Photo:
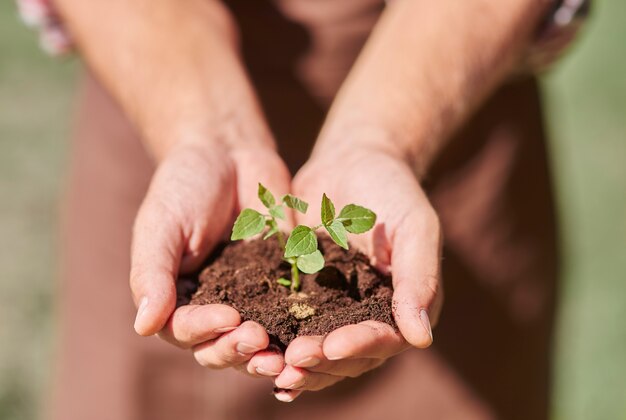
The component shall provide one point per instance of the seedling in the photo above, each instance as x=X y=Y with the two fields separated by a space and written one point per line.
x=300 y=250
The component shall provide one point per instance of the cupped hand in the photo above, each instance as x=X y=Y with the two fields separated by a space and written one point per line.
x=406 y=242
x=193 y=198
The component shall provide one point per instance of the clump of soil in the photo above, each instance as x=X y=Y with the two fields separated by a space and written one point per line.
x=243 y=275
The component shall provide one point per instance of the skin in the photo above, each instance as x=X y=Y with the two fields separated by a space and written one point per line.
x=424 y=68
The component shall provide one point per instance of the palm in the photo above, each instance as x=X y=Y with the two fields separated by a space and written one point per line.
x=405 y=241
x=192 y=199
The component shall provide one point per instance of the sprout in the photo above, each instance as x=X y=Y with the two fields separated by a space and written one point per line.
x=300 y=250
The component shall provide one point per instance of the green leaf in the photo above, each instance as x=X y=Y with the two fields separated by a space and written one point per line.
x=266 y=196
x=328 y=210
x=302 y=241
x=311 y=263
x=357 y=219
x=338 y=233
x=278 y=212
x=295 y=203
x=284 y=282
x=273 y=229
x=249 y=223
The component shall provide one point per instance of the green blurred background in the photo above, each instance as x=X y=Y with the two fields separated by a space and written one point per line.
x=586 y=110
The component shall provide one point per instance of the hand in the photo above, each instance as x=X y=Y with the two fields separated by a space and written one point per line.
x=406 y=242
x=193 y=198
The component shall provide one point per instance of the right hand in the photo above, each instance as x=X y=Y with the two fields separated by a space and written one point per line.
x=193 y=198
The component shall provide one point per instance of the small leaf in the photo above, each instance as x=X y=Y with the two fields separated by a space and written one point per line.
x=302 y=241
x=266 y=196
x=357 y=219
x=328 y=210
x=338 y=233
x=273 y=229
x=311 y=263
x=295 y=203
x=249 y=223
x=278 y=212
x=284 y=282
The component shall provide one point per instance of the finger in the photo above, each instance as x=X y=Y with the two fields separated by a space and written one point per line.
x=155 y=257
x=172 y=232
x=416 y=268
x=194 y=324
x=306 y=352
x=368 y=339
x=266 y=364
x=295 y=378
x=286 y=395
x=232 y=348
x=351 y=368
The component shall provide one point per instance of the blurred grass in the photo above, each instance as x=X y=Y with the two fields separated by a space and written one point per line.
x=587 y=114
x=587 y=117
x=34 y=103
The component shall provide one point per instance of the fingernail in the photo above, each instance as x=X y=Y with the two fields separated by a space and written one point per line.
x=426 y=323
x=297 y=384
x=264 y=372
x=224 y=330
x=307 y=362
x=335 y=357
x=143 y=304
x=286 y=396
x=245 y=348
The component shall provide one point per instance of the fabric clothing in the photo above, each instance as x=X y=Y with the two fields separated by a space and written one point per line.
x=41 y=15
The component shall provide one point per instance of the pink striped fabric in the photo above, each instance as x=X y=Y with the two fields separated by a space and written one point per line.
x=555 y=35
x=40 y=14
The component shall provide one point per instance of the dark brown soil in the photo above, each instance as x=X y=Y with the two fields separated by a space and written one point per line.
x=243 y=275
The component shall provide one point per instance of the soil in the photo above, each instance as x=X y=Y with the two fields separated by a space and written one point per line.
x=241 y=274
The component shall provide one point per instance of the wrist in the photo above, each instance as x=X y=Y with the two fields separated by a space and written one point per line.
x=339 y=140
x=229 y=132
x=410 y=149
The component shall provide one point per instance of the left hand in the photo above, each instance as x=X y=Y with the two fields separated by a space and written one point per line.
x=194 y=195
x=406 y=241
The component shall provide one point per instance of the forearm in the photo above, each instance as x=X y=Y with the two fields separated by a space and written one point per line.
x=425 y=67
x=173 y=67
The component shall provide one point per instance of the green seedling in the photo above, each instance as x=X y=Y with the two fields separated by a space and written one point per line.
x=300 y=249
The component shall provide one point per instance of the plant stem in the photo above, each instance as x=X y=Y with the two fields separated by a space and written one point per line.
x=295 y=277
x=281 y=240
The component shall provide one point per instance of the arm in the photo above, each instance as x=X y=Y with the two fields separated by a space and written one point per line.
x=425 y=67
x=175 y=71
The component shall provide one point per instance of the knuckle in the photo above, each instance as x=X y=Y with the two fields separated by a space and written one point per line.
x=202 y=360
x=432 y=284
x=358 y=369
x=167 y=336
x=209 y=360
x=190 y=336
x=430 y=219
x=326 y=382
x=138 y=273
x=231 y=358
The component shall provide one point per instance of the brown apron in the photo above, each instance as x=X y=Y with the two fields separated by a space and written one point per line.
x=491 y=186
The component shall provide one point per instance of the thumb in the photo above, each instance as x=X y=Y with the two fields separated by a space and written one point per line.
x=155 y=257
x=416 y=268
x=176 y=228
